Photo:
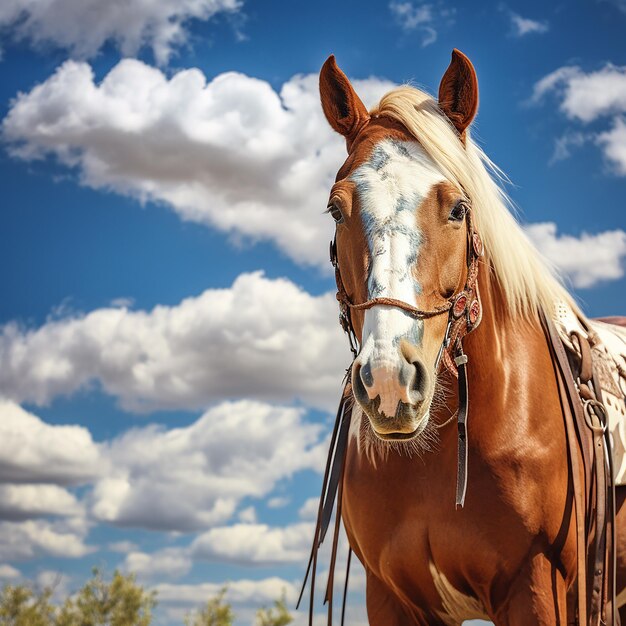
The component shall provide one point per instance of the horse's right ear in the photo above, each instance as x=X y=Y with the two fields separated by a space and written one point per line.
x=342 y=107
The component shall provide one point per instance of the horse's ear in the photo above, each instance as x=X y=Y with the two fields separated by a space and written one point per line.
x=458 y=92
x=342 y=107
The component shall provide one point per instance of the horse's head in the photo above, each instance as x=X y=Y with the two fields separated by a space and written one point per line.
x=401 y=238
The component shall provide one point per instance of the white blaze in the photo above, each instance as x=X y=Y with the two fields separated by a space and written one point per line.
x=391 y=186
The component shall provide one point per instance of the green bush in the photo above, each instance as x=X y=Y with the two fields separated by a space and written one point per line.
x=118 y=602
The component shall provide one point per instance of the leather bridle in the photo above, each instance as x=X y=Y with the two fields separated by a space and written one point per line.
x=464 y=311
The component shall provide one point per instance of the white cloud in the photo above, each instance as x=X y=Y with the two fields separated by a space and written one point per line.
x=122 y=546
x=309 y=510
x=231 y=153
x=613 y=142
x=194 y=477
x=8 y=571
x=245 y=595
x=20 y=502
x=524 y=26
x=260 y=338
x=244 y=591
x=586 y=98
x=34 y=538
x=421 y=17
x=563 y=145
x=257 y=544
x=247 y=515
x=588 y=259
x=57 y=582
x=84 y=26
x=278 y=502
x=123 y=303
x=169 y=563
x=32 y=451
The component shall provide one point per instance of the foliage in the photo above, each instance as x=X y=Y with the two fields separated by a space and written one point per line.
x=215 y=613
x=21 y=606
x=278 y=615
x=118 y=602
x=121 y=602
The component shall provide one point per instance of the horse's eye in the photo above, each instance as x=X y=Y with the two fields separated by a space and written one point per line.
x=458 y=211
x=335 y=212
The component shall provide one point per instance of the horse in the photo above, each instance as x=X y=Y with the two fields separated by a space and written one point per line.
x=415 y=196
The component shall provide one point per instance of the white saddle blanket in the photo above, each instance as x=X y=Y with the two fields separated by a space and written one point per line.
x=609 y=363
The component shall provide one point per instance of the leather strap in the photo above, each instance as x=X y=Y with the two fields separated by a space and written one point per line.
x=331 y=486
x=584 y=413
x=563 y=376
x=461 y=474
x=345 y=587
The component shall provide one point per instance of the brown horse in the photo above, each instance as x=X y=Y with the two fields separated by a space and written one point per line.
x=402 y=202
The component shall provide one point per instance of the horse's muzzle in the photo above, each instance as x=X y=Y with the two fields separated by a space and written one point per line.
x=393 y=397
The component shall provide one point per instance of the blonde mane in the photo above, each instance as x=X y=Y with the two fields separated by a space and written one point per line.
x=527 y=280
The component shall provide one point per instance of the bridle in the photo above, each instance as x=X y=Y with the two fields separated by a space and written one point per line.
x=463 y=307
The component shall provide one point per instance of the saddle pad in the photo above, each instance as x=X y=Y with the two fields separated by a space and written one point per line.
x=609 y=363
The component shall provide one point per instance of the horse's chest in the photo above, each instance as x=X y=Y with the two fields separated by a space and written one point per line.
x=400 y=539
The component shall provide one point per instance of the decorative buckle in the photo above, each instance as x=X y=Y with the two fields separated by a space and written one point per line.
x=459 y=306
x=473 y=313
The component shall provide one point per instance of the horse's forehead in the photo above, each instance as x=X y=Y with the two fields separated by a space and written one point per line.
x=396 y=170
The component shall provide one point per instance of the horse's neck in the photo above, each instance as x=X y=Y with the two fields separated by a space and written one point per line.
x=508 y=360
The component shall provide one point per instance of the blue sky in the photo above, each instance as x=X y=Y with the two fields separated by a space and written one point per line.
x=170 y=355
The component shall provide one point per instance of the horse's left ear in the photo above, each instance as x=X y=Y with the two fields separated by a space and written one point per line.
x=458 y=92
x=342 y=107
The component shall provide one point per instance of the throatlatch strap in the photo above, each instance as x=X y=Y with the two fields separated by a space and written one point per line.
x=461 y=471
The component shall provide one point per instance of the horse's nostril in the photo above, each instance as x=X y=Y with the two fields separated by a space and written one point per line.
x=419 y=377
x=366 y=375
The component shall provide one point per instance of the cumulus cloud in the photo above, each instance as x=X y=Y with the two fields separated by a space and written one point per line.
x=260 y=338
x=613 y=142
x=122 y=546
x=32 y=451
x=309 y=510
x=8 y=571
x=231 y=153
x=84 y=26
x=20 y=502
x=244 y=591
x=194 y=477
x=586 y=98
x=33 y=538
x=247 y=515
x=169 y=563
x=420 y=17
x=257 y=544
x=587 y=259
x=525 y=26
